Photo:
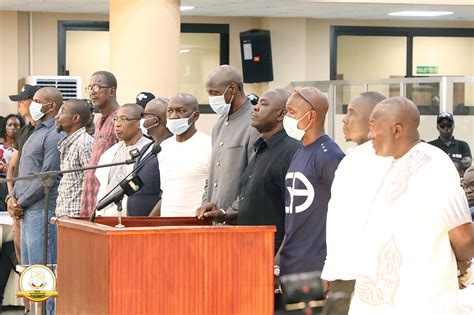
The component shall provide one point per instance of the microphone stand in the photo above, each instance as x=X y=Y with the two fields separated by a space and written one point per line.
x=48 y=180
x=144 y=158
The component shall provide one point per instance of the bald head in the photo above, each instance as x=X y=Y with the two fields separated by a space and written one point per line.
x=278 y=97
x=313 y=99
x=402 y=111
x=187 y=100
x=50 y=95
x=224 y=75
x=158 y=107
x=394 y=127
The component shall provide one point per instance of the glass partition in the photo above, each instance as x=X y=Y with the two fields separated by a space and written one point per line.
x=198 y=55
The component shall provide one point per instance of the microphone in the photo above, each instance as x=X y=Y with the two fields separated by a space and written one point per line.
x=154 y=151
x=128 y=188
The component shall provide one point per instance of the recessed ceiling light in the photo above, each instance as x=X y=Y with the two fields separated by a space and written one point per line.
x=183 y=51
x=185 y=7
x=421 y=13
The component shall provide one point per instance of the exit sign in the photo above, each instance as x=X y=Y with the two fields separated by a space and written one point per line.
x=426 y=70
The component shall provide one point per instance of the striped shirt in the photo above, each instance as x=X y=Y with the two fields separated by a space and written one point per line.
x=76 y=152
x=104 y=138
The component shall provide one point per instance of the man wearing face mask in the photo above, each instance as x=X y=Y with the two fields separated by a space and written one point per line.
x=147 y=201
x=308 y=183
x=184 y=159
x=40 y=154
x=232 y=137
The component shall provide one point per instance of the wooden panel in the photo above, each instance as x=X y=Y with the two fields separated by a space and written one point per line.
x=149 y=221
x=164 y=270
x=224 y=272
x=82 y=272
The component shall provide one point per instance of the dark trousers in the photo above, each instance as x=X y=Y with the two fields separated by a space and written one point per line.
x=340 y=293
x=7 y=264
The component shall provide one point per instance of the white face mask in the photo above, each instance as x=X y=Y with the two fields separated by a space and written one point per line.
x=142 y=127
x=219 y=105
x=35 y=111
x=145 y=129
x=178 y=126
x=291 y=127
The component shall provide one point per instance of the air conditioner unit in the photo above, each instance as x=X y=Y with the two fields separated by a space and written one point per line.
x=70 y=86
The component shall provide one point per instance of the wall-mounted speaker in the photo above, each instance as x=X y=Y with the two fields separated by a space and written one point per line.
x=256 y=53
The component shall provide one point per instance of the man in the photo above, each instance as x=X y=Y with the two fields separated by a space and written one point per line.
x=468 y=186
x=76 y=149
x=308 y=182
x=184 y=159
x=232 y=136
x=102 y=91
x=153 y=122
x=418 y=225
x=261 y=198
x=127 y=130
x=147 y=201
x=456 y=149
x=349 y=199
x=24 y=99
x=40 y=154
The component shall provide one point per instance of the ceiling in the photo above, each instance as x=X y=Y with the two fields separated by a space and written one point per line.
x=263 y=8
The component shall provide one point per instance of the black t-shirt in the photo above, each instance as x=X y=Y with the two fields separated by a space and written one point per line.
x=308 y=184
x=456 y=150
x=262 y=185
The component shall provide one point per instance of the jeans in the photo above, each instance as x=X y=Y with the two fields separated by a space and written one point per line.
x=32 y=243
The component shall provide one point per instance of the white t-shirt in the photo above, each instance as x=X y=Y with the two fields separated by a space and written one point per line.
x=184 y=168
x=355 y=184
x=409 y=266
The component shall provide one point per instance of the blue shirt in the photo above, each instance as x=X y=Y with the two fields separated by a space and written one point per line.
x=308 y=184
x=40 y=154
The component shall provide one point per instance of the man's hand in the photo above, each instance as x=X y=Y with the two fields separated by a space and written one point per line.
x=210 y=211
x=325 y=284
x=14 y=208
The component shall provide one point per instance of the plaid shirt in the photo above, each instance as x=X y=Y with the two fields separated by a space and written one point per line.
x=75 y=153
x=104 y=138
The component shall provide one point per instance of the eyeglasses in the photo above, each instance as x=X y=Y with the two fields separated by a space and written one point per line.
x=123 y=120
x=96 y=88
x=146 y=115
x=306 y=100
x=466 y=186
x=444 y=126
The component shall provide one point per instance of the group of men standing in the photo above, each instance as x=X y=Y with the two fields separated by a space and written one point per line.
x=381 y=222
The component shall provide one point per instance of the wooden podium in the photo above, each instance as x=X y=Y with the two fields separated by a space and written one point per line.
x=163 y=266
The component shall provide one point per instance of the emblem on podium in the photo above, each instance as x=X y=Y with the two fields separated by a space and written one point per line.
x=37 y=283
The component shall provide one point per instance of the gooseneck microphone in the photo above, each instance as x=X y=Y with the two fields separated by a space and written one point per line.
x=115 y=194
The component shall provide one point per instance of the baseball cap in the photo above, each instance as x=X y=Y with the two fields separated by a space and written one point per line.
x=444 y=115
x=26 y=93
x=143 y=98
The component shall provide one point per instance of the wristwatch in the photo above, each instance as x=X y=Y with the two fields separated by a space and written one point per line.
x=276 y=271
x=8 y=197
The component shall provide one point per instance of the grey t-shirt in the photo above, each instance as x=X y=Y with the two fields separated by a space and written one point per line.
x=232 y=148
